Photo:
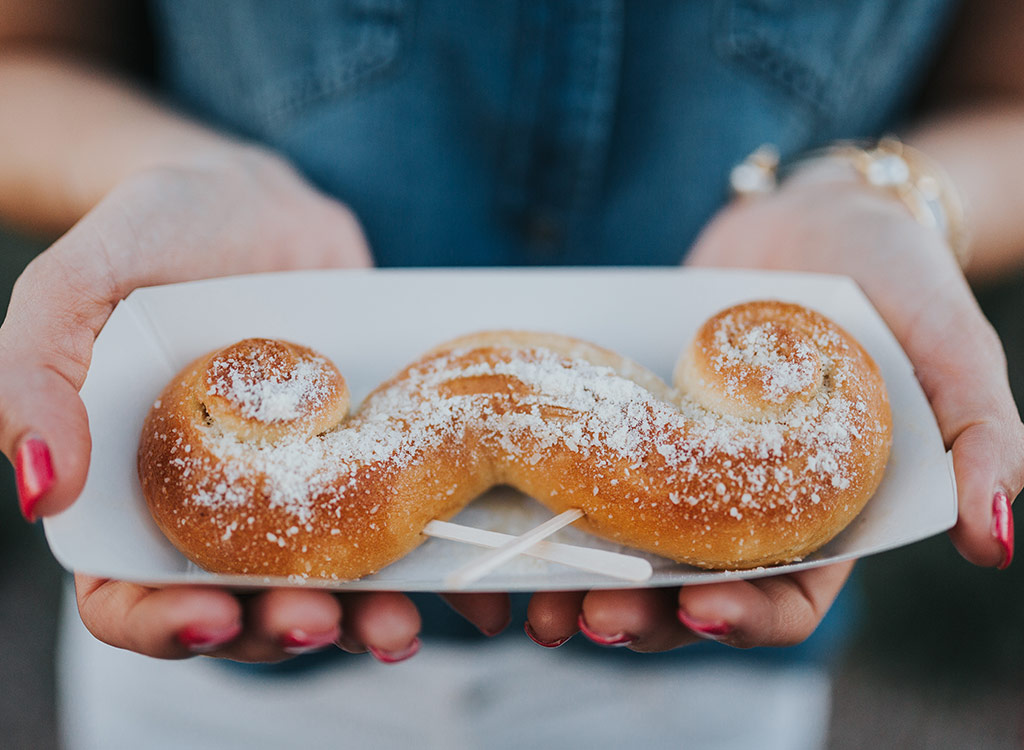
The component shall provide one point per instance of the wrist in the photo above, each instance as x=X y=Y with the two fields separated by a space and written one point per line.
x=890 y=169
x=210 y=153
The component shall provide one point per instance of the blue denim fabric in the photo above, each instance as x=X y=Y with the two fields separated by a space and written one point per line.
x=542 y=131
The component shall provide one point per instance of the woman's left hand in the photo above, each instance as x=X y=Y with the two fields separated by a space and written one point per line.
x=830 y=222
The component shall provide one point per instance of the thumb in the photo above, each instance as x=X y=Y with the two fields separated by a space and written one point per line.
x=987 y=470
x=45 y=346
x=961 y=365
x=45 y=433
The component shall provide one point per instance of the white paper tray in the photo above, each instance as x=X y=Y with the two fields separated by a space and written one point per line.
x=372 y=323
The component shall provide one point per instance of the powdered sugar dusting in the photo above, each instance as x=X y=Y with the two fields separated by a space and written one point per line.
x=541 y=400
x=269 y=394
x=784 y=370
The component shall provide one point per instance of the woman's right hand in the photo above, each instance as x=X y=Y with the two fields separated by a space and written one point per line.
x=231 y=210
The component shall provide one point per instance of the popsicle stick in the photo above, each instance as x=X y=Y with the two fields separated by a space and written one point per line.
x=480 y=567
x=603 y=562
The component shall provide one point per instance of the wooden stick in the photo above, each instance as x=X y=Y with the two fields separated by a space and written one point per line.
x=603 y=562
x=477 y=569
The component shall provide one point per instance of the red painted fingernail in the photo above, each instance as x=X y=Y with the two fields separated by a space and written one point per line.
x=392 y=657
x=715 y=630
x=1002 y=527
x=298 y=641
x=200 y=640
x=539 y=642
x=619 y=639
x=33 y=470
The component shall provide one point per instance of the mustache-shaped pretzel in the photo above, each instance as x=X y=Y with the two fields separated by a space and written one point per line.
x=774 y=436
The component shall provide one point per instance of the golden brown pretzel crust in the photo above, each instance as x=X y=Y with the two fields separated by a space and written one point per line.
x=776 y=434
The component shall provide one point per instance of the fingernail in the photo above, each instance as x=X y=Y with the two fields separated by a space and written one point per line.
x=714 y=630
x=298 y=641
x=392 y=657
x=539 y=642
x=200 y=640
x=33 y=471
x=349 y=646
x=1002 y=527
x=619 y=639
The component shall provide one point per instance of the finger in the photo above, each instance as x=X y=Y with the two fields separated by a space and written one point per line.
x=58 y=306
x=641 y=619
x=552 y=617
x=776 y=611
x=962 y=368
x=45 y=344
x=155 y=228
x=490 y=612
x=984 y=532
x=282 y=623
x=384 y=623
x=169 y=623
x=45 y=433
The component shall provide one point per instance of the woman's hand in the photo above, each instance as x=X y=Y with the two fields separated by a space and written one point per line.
x=830 y=222
x=231 y=210
x=236 y=210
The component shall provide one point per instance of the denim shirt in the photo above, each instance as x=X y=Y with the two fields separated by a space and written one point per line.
x=541 y=131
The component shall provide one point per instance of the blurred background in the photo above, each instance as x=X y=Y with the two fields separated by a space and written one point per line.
x=937 y=662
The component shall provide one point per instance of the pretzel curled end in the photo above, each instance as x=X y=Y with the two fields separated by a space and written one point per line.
x=774 y=435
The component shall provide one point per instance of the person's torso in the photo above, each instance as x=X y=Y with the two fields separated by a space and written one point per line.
x=541 y=131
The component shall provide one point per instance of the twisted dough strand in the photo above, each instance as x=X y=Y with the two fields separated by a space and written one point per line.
x=774 y=437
